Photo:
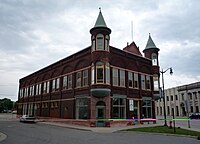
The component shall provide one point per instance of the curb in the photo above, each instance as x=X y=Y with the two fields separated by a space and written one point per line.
x=60 y=125
x=165 y=134
x=2 y=136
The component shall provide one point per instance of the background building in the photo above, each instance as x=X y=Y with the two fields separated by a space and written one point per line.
x=182 y=100
x=98 y=82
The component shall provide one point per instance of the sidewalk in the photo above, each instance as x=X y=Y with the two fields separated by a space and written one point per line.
x=99 y=129
x=117 y=128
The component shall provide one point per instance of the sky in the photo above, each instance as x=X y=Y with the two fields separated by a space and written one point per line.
x=37 y=33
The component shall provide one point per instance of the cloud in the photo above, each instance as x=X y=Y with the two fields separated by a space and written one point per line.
x=35 y=33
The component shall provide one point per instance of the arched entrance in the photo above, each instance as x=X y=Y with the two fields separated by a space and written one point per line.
x=100 y=113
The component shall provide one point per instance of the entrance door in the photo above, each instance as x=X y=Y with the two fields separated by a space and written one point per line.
x=100 y=114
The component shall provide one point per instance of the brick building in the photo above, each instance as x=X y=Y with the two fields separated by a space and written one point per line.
x=98 y=82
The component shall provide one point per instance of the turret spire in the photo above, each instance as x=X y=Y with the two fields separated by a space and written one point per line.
x=100 y=22
x=150 y=43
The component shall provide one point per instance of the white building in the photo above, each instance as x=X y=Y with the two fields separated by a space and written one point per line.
x=183 y=100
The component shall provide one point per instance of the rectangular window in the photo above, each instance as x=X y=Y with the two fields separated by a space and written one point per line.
x=33 y=89
x=81 y=108
x=107 y=74
x=78 y=79
x=40 y=88
x=143 y=82
x=92 y=75
x=155 y=83
x=191 y=109
x=146 y=107
x=115 y=76
x=70 y=81
x=47 y=87
x=57 y=83
x=148 y=83
x=168 y=111
x=93 y=45
x=130 y=79
x=122 y=78
x=65 y=82
x=135 y=80
x=36 y=91
x=176 y=97
x=167 y=98
x=85 y=77
x=100 y=43
x=30 y=90
x=119 y=110
x=99 y=74
x=44 y=87
x=53 y=85
x=171 y=98
x=182 y=95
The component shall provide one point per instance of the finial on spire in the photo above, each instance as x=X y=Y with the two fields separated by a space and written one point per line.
x=99 y=9
x=149 y=34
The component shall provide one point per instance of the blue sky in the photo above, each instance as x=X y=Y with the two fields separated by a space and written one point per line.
x=35 y=33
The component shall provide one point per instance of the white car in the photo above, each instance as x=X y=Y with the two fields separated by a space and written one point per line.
x=27 y=118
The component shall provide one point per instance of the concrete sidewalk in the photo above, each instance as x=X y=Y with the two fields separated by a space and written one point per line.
x=99 y=129
x=115 y=128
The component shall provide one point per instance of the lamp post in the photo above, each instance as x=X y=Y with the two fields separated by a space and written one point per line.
x=163 y=92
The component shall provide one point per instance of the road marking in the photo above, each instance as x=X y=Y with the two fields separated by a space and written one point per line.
x=2 y=136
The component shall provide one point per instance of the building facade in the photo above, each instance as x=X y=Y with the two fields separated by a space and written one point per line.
x=98 y=82
x=183 y=100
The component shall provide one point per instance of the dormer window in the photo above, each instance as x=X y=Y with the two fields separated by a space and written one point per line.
x=154 y=59
x=100 y=42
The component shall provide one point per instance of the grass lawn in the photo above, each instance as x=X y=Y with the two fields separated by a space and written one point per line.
x=162 y=129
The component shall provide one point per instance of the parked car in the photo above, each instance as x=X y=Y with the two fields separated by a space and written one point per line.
x=14 y=112
x=27 y=118
x=195 y=116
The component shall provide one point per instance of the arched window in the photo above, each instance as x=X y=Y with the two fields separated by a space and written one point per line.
x=154 y=59
x=100 y=43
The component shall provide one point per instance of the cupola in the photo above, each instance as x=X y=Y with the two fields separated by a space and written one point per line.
x=100 y=34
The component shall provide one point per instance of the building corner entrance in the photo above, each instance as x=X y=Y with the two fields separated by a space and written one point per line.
x=100 y=114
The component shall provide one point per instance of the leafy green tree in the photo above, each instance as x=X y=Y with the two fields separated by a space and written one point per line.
x=6 y=104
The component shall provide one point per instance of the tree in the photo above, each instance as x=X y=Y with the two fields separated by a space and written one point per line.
x=6 y=104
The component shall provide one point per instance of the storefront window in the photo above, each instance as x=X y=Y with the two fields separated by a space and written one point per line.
x=146 y=107
x=119 y=105
x=82 y=108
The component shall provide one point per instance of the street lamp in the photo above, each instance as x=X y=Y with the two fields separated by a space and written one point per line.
x=163 y=92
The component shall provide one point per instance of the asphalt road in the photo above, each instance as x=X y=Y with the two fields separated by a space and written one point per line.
x=39 y=133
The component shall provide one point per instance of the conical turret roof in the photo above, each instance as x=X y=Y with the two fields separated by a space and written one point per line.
x=150 y=43
x=100 y=22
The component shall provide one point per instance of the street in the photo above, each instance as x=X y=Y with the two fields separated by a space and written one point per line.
x=40 y=133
